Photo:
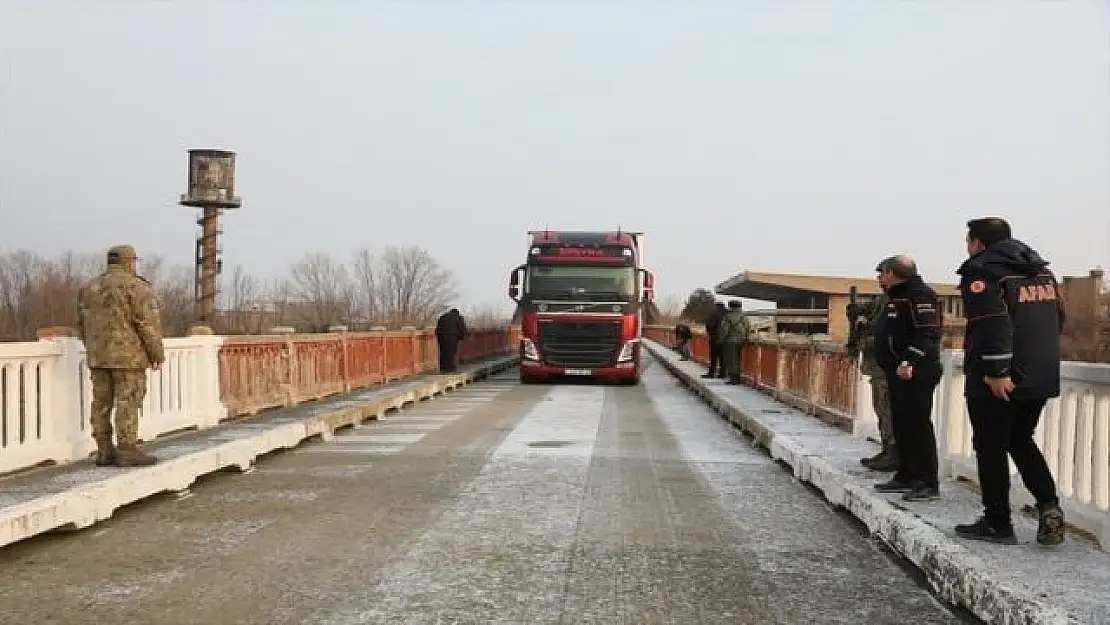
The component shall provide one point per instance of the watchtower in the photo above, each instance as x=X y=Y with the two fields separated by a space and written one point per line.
x=211 y=187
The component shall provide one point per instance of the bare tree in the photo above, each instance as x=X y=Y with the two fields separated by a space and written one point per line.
x=323 y=287
x=242 y=304
x=36 y=292
x=485 y=318
x=670 y=308
x=699 y=306
x=413 y=287
x=278 y=298
x=173 y=284
x=364 y=288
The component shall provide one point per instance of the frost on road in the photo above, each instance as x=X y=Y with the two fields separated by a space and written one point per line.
x=499 y=503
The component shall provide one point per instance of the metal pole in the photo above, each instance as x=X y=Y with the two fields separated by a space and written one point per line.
x=210 y=228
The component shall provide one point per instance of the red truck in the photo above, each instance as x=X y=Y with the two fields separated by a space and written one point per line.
x=580 y=298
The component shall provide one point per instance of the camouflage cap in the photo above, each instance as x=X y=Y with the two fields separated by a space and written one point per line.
x=119 y=252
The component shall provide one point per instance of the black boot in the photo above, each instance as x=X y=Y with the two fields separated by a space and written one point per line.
x=886 y=461
x=984 y=530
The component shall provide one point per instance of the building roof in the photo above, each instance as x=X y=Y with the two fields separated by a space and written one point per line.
x=765 y=285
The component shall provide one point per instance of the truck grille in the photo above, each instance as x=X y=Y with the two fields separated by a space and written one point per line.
x=580 y=344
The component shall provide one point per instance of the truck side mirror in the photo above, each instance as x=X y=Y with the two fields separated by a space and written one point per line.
x=649 y=285
x=514 y=283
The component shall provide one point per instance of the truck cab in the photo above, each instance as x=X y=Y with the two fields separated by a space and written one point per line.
x=581 y=297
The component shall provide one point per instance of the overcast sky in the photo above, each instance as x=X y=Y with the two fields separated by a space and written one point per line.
x=772 y=136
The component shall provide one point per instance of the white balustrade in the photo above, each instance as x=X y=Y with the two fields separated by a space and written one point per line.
x=46 y=397
x=1074 y=434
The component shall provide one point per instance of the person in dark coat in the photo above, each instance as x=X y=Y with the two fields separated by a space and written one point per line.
x=1015 y=316
x=716 y=367
x=907 y=348
x=683 y=336
x=450 y=332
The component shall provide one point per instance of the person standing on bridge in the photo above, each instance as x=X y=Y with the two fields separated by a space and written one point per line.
x=683 y=335
x=1012 y=366
x=907 y=348
x=119 y=322
x=450 y=331
x=887 y=459
x=733 y=332
x=716 y=367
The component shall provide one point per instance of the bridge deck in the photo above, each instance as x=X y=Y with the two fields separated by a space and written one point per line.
x=496 y=503
x=1015 y=584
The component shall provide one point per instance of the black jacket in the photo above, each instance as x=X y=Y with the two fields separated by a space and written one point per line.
x=910 y=328
x=682 y=332
x=451 y=325
x=1014 y=320
x=713 y=322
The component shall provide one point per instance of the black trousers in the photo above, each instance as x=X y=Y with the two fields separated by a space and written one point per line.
x=716 y=364
x=1005 y=428
x=911 y=406
x=448 y=352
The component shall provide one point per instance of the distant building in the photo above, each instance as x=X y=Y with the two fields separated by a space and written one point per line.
x=817 y=304
x=827 y=297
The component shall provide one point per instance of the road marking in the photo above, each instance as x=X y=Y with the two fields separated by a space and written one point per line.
x=333 y=449
x=378 y=438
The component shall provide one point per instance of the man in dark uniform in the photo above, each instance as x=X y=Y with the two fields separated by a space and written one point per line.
x=712 y=324
x=450 y=331
x=1012 y=366
x=683 y=335
x=907 y=348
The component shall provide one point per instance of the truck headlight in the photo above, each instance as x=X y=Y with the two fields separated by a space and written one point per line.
x=530 y=351
x=627 y=350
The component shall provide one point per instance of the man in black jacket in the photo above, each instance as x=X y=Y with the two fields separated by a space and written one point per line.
x=1012 y=366
x=683 y=335
x=450 y=331
x=712 y=324
x=907 y=348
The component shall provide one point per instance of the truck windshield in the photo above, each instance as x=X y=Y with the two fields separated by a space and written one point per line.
x=559 y=282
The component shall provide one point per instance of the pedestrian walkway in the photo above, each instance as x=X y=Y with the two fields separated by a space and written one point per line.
x=1024 y=584
x=77 y=495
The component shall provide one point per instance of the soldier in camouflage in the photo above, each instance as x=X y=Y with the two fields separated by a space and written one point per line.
x=119 y=323
x=732 y=333
x=887 y=459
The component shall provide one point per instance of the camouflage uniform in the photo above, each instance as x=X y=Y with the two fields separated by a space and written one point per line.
x=887 y=460
x=119 y=322
x=732 y=333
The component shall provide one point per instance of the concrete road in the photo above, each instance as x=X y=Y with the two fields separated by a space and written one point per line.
x=499 y=503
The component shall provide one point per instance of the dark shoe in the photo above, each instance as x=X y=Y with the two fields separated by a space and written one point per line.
x=105 y=453
x=984 y=531
x=886 y=461
x=1051 y=528
x=921 y=492
x=894 y=486
x=128 y=455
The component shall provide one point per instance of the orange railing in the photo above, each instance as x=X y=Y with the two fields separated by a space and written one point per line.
x=818 y=377
x=263 y=372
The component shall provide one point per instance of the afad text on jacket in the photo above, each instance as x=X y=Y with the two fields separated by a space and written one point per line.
x=1014 y=320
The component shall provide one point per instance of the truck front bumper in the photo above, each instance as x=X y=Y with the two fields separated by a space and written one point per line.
x=537 y=370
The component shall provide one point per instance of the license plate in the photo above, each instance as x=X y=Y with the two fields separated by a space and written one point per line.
x=578 y=372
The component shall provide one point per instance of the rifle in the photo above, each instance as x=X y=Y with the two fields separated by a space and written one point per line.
x=853 y=311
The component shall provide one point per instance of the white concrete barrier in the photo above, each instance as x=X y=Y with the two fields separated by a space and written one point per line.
x=46 y=397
